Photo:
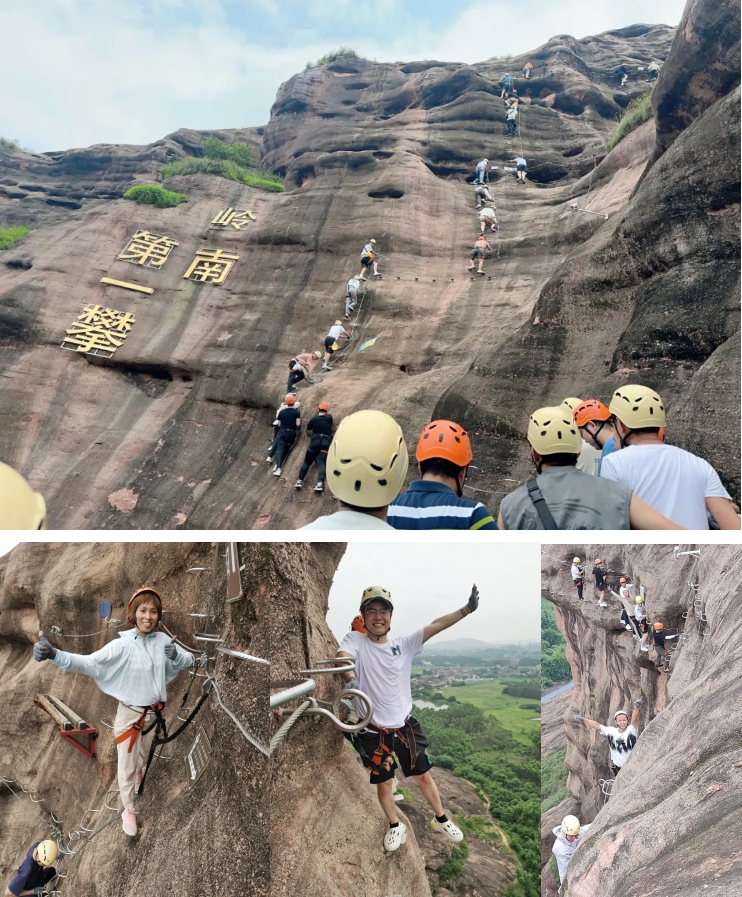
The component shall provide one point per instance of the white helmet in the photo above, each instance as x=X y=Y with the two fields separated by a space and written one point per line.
x=571 y=825
x=367 y=461
x=575 y=560
x=619 y=713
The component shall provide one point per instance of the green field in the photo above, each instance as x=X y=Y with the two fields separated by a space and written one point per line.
x=489 y=698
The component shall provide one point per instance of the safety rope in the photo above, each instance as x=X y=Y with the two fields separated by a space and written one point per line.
x=283 y=731
x=115 y=625
x=253 y=741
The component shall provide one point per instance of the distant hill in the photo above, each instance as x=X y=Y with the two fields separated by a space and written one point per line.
x=458 y=645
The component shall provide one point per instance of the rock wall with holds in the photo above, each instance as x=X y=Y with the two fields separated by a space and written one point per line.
x=674 y=816
x=172 y=431
x=222 y=820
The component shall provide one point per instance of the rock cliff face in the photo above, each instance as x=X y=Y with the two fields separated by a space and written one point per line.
x=673 y=821
x=172 y=431
x=222 y=820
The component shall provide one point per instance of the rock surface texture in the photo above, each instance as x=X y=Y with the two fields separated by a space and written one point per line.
x=222 y=819
x=173 y=430
x=673 y=822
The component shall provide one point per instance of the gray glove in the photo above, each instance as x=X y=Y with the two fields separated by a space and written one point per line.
x=352 y=683
x=578 y=718
x=42 y=650
x=473 y=602
x=171 y=652
x=40 y=889
x=638 y=702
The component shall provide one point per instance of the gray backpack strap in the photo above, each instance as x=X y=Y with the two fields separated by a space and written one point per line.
x=539 y=502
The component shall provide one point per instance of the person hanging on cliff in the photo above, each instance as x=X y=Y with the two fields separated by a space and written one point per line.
x=505 y=82
x=320 y=427
x=599 y=574
x=482 y=195
x=511 y=121
x=368 y=260
x=488 y=217
x=642 y=625
x=135 y=669
x=621 y=736
x=394 y=737
x=628 y=619
x=521 y=169
x=301 y=368
x=288 y=421
x=289 y=402
x=481 y=248
x=337 y=332
x=569 y=835
x=481 y=171
x=351 y=295
x=659 y=638
x=578 y=572
x=36 y=871
x=436 y=500
x=527 y=70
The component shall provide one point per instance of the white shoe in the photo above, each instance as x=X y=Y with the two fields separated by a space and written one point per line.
x=377 y=273
x=645 y=648
x=299 y=484
x=269 y=460
x=277 y=472
x=449 y=829
x=320 y=487
x=628 y=628
x=602 y=604
x=394 y=837
x=129 y=822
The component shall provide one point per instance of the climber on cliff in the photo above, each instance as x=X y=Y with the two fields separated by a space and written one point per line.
x=481 y=171
x=621 y=736
x=336 y=332
x=351 y=295
x=599 y=574
x=527 y=70
x=287 y=427
x=577 y=571
x=367 y=462
x=320 y=426
x=135 y=669
x=394 y=737
x=482 y=195
x=628 y=619
x=36 y=872
x=506 y=83
x=488 y=217
x=481 y=247
x=659 y=638
x=642 y=626
x=653 y=71
x=594 y=421
x=521 y=169
x=569 y=836
x=511 y=121
x=301 y=368
x=289 y=402
x=676 y=483
x=368 y=259
x=563 y=497
x=20 y=506
x=435 y=501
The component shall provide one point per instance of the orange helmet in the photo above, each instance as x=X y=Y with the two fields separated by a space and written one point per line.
x=590 y=409
x=323 y=406
x=158 y=603
x=290 y=399
x=357 y=624
x=447 y=440
x=658 y=627
x=598 y=561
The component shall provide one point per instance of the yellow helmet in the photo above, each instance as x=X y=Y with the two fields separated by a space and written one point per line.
x=367 y=460
x=575 y=560
x=47 y=852
x=20 y=506
x=570 y=403
x=637 y=407
x=552 y=431
x=376 y=593
x=571 y=825
x=639 y=599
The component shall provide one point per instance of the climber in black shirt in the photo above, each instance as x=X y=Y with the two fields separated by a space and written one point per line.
x=320 y=426
x=599 y=574
x=288 y=421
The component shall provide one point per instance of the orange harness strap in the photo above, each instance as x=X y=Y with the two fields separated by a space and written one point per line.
x=131 y=733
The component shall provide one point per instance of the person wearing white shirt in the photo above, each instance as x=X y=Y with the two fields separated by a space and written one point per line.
x=569 y=835
x=394 y=737
x=621 y=736
x=678 y=484
x=522 y=167
x=368 y=260
x=337 y=331
x=488 y=216
x=577 y=573
x=351 y=295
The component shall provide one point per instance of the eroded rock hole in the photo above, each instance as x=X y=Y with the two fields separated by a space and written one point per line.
x=388 y=193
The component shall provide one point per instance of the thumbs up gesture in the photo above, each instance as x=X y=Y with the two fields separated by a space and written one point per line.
x=171 y=652
x=42 y=650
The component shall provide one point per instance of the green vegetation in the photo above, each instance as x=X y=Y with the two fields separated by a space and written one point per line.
x=153 y=195
x=553 y=779
x=232 y=161
x=9 y=236
x=554 y=868
x=499 y=755
x=7 y=144
x=491 y=697
x=454 y=864
x=342 y=53
x=637 y=112
x=407 y=795
x=239 y=153
x=527 y=688
x=554 y=665
x=479 y=827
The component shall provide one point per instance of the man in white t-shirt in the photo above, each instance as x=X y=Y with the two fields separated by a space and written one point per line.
x=569 y=835
x=621 y=737
x=382 y=671
x=577 y=573
x=337 y=331
x=678 y=484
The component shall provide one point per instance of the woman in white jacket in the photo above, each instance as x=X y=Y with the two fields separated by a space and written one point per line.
x=135 y=669
x=569 y=836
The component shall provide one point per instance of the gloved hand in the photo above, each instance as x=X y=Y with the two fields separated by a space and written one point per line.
x=42 y=650
x=171 y=652
x=639 y=701
x=40 y=889
x=473 y=602
x=578 y=718
x=352 y=683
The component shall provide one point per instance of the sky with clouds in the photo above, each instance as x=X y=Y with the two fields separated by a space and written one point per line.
x=427 y=581
x=78 y=72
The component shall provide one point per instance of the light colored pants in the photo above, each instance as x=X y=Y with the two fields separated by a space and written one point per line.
x=129 y=763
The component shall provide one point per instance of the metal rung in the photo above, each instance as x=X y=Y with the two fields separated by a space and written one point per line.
x=208 y=638
x=241 y=654
x=199 y=615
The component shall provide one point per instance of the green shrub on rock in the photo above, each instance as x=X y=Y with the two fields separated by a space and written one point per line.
x=9 y=236
x=153 y=195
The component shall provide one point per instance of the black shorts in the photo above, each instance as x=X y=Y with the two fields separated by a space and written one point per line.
x=329 y=343
x=382 y=751
x=520 y=168
x=366 y=261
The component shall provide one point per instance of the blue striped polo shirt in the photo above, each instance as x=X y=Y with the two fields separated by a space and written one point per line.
x=428 y=504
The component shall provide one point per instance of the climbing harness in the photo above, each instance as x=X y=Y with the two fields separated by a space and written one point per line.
x=606 y=786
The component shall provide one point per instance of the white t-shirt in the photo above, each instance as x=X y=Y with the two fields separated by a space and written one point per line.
x=482 y=166
x=576 y=572
x=336 y=330
x=383 y=672
x=487 y=213
x=512 y=112
x=671 y=480
x=348 y=520
x=369 y=249
x=353 y=285
x=587 y=460
x=639 y=612
x=519 y=160
x=620 y=743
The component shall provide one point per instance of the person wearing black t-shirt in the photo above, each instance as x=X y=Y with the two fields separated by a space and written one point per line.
x=599 y=574
x=320 y=426
x=289 y=424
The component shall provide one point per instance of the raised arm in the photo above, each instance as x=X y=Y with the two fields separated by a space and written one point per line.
x=449 y=619
x=588 y=722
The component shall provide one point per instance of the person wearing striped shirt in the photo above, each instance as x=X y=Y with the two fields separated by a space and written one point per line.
x=435 y=501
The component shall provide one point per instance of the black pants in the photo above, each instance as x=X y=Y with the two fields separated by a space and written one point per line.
x=285 y=439
x=512 y=125
x=314 y=453
x=578 y=586
x=294 y=377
